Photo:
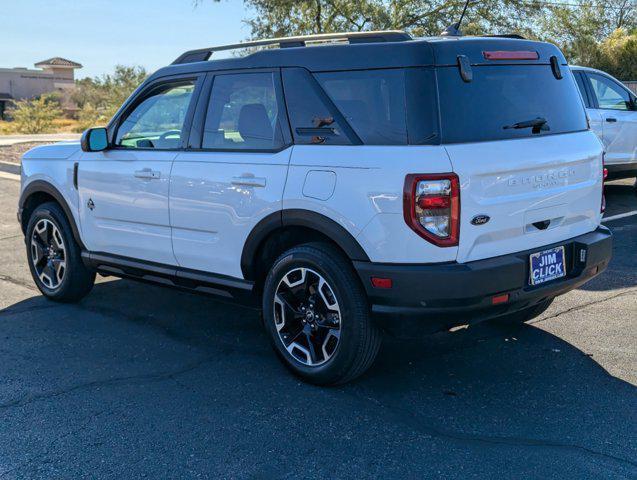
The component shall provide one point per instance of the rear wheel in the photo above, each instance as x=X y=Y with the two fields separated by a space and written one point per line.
x=317 y=315
x=54 y=257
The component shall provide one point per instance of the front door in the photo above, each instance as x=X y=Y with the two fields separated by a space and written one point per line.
x=124 y=190
x=233 y=175
x=616 y=106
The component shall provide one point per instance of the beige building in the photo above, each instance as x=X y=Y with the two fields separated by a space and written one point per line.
x=53 y=75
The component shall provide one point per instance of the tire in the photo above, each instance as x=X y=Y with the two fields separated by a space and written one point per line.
x=524 y=315
x=55 y=259
x=338 y=320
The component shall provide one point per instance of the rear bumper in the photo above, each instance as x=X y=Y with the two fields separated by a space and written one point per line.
x=452 y=293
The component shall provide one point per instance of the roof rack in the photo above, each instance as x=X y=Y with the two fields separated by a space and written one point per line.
x=204 y=54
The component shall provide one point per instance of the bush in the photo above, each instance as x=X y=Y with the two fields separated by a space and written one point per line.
x=37 y=115
x=89 y=117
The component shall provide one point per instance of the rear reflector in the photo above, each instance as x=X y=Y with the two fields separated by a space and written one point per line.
x=379 y=282
x=511 y=55
x=498 y=299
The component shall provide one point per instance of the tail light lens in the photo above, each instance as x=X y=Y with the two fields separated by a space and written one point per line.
x=431 y=206
x=605 y=175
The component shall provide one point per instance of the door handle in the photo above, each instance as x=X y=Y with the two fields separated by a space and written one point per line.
x=248 y=181
x=611 y=120
x=147 y=174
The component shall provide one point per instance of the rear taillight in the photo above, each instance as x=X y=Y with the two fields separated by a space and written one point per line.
x=605 y=176
x=511 y=55
x=431 y=206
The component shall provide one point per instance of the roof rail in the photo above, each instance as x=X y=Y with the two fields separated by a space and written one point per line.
x=204 y=54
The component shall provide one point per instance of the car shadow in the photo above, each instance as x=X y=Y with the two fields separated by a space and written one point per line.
x=488 y=401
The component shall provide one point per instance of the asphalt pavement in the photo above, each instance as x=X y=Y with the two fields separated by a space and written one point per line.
x=138 y=381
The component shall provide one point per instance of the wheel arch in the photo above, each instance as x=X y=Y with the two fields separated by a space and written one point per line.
x=292 y=227
x=38 y=192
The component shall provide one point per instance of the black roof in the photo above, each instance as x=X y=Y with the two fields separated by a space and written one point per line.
x=433 y=51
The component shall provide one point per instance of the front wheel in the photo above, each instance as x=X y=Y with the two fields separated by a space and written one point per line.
x=54 y=256
x=317 y=315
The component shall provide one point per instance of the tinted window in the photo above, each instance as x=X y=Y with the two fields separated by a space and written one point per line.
x=499 y=97
x=157 y=121
x=609 y=95
x=582 y=88
x=312 y=120
x=372 y=102
x=243 y=113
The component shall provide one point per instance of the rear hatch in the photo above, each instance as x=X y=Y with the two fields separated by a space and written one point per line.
x=530 y=170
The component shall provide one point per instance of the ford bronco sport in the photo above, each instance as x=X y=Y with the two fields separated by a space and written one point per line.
x=343 y=188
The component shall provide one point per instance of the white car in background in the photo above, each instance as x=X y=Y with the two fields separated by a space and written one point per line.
x=612 y=109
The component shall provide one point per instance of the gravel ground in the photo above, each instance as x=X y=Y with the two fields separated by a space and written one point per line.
x=12 y=153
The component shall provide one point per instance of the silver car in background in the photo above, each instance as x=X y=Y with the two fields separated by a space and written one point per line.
x=612 y=109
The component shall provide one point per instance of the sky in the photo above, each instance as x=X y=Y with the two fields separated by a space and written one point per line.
x=100 y=34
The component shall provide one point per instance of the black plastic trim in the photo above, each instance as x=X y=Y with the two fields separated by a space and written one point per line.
x=41 y=186
x=236 y=289
x=298 y=218
x=465 y=290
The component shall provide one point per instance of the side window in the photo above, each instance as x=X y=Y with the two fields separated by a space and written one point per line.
x=158 y=120
x=312 y=121
x=610 y=95
x=243 y=113
x=372 y=101
x=582 y=88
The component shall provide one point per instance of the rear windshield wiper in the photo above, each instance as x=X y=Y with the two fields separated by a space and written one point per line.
x=538 y=125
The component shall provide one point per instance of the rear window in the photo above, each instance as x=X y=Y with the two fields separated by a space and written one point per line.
x=502 y=97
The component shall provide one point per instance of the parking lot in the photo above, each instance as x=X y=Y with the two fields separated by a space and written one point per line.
x=140 y=381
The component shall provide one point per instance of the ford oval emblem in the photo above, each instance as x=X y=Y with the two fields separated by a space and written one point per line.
x=480 y=219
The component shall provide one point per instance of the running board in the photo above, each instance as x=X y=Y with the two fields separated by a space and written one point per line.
x=230 y=288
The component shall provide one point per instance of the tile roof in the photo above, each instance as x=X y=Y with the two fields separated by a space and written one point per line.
x=58 y=62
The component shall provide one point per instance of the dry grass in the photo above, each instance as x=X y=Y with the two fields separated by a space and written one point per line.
x=60 y=125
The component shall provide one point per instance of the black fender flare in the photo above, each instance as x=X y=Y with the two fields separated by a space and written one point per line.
x=41 y=186
x=299 y=218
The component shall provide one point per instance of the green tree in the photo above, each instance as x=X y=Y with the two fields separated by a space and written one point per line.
x=275 y=18
x=99 y=98
x=36 y=115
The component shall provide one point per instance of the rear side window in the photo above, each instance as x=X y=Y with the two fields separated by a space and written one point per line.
x=312 y=118
x=372 y=102
x=582 y=88
x=243 y=113
x=501 y=100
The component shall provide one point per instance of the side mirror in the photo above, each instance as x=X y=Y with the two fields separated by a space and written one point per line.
x=94 y=140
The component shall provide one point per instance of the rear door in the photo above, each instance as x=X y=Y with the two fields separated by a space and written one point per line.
x=233 y=173
x=616 y=106
x=124 y=190
x=517 y=138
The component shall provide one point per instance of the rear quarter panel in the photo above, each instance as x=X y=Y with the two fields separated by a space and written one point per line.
x=366 y=196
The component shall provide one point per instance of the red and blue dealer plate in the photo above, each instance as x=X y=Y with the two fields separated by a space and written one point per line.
x=547 y=266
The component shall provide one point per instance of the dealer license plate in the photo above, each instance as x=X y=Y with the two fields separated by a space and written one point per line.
x=547 y=265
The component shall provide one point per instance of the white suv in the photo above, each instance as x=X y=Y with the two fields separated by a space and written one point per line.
x=344 y=188
x=612 y=110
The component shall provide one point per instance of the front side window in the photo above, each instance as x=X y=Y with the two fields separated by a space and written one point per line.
x=610 y=96
x=157 y=122
x=243 y=113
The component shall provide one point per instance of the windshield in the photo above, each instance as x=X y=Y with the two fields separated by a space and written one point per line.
x=509 y=101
